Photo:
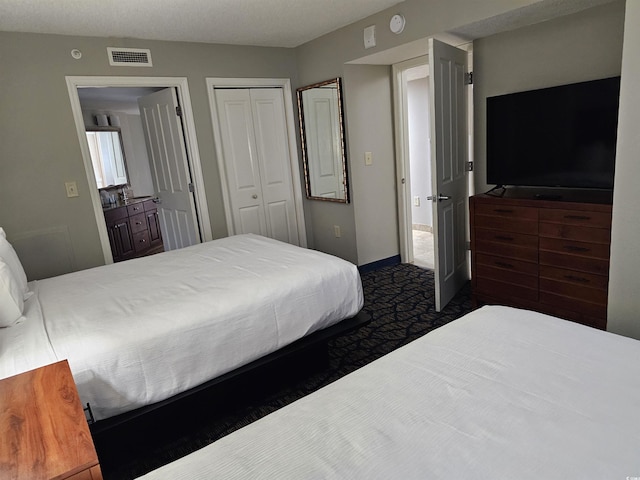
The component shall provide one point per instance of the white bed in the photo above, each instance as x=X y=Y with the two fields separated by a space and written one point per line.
x=141 y=331
x=498 y=394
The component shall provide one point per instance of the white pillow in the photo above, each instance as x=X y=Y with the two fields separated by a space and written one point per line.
x=11 y=297
x=10 y=257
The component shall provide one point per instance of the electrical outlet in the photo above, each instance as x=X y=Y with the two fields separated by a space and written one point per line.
x=336 y=230
x=72 y=189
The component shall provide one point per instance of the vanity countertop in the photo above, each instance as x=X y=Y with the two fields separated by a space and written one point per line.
x=130 y=201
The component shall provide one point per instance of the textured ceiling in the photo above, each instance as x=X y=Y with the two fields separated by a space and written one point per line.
x=274 y=23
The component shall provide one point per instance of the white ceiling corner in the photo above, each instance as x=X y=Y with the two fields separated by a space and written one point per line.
x=273 y=23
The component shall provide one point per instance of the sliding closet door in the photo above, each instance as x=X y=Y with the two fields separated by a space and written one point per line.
x=257 y=163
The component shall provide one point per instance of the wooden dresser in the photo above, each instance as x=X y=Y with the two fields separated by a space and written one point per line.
x=551 y=256
x=44 y=432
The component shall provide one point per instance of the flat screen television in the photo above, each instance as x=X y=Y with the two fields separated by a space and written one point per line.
x=561 y=136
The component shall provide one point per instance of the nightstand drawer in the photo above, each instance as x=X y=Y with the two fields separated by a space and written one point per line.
x=576 y=217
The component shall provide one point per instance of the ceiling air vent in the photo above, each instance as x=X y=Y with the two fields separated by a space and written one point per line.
x=129 y=57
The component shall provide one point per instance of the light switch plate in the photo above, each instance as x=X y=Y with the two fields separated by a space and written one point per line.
x=72 y=189
x=370 y=36
x=368 y=158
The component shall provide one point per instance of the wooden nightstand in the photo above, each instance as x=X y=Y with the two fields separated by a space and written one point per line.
x=43 y=429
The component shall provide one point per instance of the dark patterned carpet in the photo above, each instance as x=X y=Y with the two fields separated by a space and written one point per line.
x=400 y=300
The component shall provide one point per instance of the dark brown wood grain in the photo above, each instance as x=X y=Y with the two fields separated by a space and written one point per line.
x=549 y=256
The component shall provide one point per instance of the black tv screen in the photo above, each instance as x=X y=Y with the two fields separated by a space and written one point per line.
x=554 y=137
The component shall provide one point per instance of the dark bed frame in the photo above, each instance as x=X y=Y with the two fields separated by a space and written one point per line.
x=306 y=354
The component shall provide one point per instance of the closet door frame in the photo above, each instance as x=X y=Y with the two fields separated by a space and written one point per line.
x=285 y=85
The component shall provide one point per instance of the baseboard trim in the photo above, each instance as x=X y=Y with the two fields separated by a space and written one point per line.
x=385 y=262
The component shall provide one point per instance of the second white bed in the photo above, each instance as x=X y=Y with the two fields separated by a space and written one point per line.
x=498 y=394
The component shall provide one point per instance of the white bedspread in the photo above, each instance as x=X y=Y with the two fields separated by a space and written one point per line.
x=140 y=331
x=499 y=394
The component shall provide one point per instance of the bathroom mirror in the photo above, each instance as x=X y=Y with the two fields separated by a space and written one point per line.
x=323 y=143
x=107 y=156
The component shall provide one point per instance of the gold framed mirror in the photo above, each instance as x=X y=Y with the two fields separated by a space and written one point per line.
x=323 y=141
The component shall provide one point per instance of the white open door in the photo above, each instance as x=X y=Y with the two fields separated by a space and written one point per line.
x=448 y=68
x=169 y=168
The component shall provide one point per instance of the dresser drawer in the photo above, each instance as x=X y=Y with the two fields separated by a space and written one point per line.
x=506 y=238
x=575 y=262
x=573 y=291
x=576 y=217
x=506 y=275
x=577 y=279
x=505 y=291
x=572 y=247
x=511 y=212
x=141 y=240
x=138 y=223
x=507 y=251
x=504 y=224
x=590 y=309
x=497 y=261
x=575 y=232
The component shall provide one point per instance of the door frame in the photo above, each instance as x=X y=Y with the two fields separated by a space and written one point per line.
x=191 y=144
x=285 y=85
x=403 y=165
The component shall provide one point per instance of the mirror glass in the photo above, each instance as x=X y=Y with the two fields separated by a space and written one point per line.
x=323 y=143
x=107 y=156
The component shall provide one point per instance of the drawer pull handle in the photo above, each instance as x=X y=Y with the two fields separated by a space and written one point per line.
x=573 y=248
x=504 y=237
x=502 y=210
x=138 y=223
x=504 y=265
x=573 y=278
x=142 y=240
x=577 y=217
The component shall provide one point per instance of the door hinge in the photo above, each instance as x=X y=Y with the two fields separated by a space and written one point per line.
x=468 y=245
x=192 y=188
x=178 y=110
x=468 y=78
x=468 y=167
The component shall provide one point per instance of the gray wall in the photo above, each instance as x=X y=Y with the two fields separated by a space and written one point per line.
x=575 y=48
x=572 y=48
x=39 y=150
x=624 y=281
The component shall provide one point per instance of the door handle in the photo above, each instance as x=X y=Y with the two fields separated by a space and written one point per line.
x=439 y=198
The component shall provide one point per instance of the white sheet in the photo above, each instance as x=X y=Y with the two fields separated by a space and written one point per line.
x=140 y=331
x=498 y=394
